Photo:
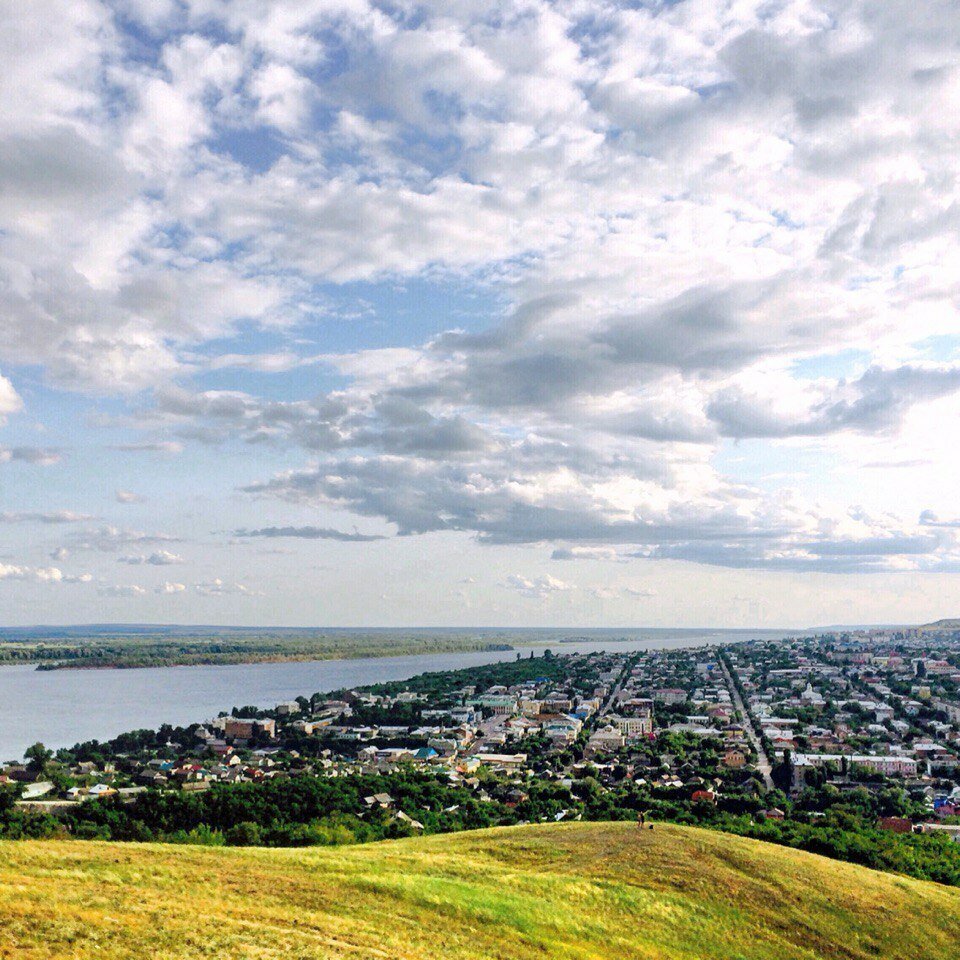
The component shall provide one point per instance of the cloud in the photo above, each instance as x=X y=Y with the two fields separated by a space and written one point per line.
x=668 y=222
x=111 y=538
x=874 y=403
x=159 y=558
x=537 y=588
x=260 y=362
x=620 y=593
x=168 y=588
x=639 y=592
x=694 y=516
x=35 y=455
x=930 y=519
x=171 y=447
x=10 y=401
x=220 y=588
x=50 y=517
x=127 y=496
x=46 y=575
x=129 y=591
x=585 y=553
x=896 y=464
x=309 y=533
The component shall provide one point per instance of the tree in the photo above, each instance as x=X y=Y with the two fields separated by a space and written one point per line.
x=38 y=756
x=244 y=834
x=782 y=773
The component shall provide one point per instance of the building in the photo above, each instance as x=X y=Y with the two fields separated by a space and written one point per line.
x=952 y=830
x=633 y=727
x=637 y=707
x=670 y=695
x=497 y=705
x=605 y=740
x=244 y=728
x=895 y=824
x=734 y=759
x=502 y=761
x=891 y=765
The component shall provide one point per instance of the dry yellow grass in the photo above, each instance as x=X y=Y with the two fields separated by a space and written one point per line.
x=597 y=890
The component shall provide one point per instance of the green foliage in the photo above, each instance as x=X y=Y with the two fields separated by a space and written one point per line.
x=123 y=651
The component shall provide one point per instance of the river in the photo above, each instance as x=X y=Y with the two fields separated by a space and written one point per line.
x=64 y=707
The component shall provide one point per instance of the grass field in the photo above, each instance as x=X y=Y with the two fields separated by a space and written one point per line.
x=592 y=890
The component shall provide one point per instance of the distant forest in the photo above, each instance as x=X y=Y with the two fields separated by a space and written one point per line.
x=101 y=651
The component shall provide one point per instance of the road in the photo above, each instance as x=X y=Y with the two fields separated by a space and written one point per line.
x=763 y=761
x=605 y=709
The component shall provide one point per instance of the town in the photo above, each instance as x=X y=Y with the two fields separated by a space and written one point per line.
x=748 y=736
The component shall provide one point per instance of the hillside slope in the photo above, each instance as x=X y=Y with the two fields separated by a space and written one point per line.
x=592 y=890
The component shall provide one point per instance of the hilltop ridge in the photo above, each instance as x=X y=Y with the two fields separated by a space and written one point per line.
x=585 y=890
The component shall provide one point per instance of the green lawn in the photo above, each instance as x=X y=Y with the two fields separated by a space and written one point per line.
x=592 y=890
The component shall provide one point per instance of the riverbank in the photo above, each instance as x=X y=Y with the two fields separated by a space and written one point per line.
x=63 y=707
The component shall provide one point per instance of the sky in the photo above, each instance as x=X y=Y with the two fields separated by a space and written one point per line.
x=340 y=312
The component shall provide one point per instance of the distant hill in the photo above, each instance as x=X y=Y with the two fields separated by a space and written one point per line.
x=940 y=625
x=591 y=890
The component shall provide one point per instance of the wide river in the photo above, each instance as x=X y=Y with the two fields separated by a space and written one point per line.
x=64 y=707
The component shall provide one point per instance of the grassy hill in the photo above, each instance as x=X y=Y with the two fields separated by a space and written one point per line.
x=592 y=890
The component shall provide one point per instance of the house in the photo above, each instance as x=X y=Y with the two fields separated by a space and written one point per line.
x=21 y=774
x=605 y=740
x=37 y=789
x=445 y=746
x=152 y=778
x=522 y=726
x=734 y=759
x=773 y=813
x=379 y=800
x=403 y=818
x=952 y=830
x=505 y=761
x=895 y=824
x=718 y=713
